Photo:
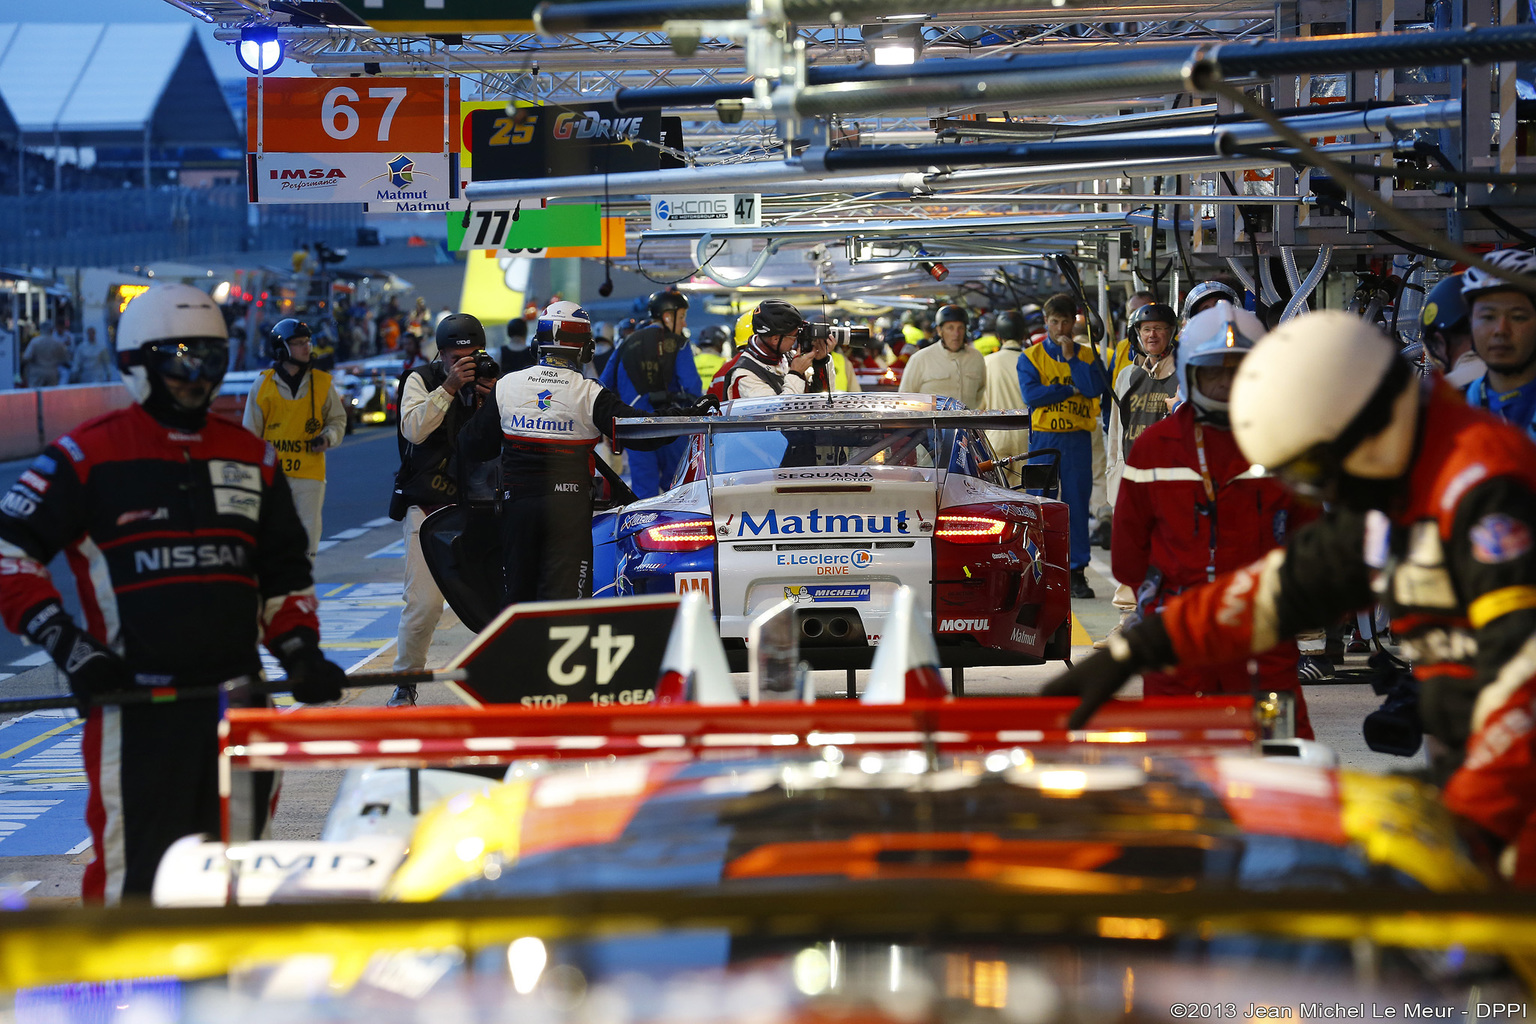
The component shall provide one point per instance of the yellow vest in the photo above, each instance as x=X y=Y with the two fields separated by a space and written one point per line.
x=1119 y=361
x=987 y=344
x=708 y=364
x=1075 y=413
x=912 y=333
x=288 y=424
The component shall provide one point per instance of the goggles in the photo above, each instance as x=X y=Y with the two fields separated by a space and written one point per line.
x=187 y=359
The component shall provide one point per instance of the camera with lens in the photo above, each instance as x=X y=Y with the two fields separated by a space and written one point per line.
x=811 y=333
x=486 y=368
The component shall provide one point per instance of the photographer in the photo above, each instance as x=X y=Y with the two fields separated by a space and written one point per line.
x=765 y=367
x=285 y=410
x=436 y=400
x=544 y=423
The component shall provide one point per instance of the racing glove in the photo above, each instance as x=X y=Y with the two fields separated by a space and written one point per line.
x=92 y=668
x=707 y=405
x=1099 y=677
x=312 y=678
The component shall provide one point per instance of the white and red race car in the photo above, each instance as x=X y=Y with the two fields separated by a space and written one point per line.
x=835 y=501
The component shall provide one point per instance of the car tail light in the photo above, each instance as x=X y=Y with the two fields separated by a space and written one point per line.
x=690 y=535
x=971 y=529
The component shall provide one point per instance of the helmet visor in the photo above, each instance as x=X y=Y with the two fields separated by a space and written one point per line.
x=189 y=359
x=1313 y=474
x=571 y=333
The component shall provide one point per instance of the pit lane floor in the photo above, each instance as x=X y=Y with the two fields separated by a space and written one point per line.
x=43 y=839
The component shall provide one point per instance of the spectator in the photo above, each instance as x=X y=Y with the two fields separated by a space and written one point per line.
x=43 y=357
x=1062 y=381
x=1503 y=316
x=1002 y=393
x=94 y=363
x=953 y=368
x=1447 y=334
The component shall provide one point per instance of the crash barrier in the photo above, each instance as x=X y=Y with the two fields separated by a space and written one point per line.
x=32 y=417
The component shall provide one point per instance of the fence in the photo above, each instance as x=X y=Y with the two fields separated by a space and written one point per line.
x=138 y=225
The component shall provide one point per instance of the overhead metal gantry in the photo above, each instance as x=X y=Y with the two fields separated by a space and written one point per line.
x=1179 y=175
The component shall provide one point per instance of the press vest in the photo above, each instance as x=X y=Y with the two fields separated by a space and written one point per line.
x=1074 y=413
x=1144 y=402
x=292 y=422
x=428 y=473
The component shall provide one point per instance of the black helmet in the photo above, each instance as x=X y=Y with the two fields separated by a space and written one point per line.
x=987 y=323
x=714 y=336
x=665 y=302
x=458 y=329
x=775 y=316
x=1152 y=312
x=1033 y=316
x=1009 y=325
x=951 y=313
x=284 y=333
x=1445 y=311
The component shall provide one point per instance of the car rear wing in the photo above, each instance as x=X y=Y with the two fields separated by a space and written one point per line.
x=263 y=739
x=678 y=426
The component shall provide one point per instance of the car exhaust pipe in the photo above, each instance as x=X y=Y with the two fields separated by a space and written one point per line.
x=810 y=627
x=838 y=628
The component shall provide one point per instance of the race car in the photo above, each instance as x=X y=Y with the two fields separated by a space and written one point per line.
x=834 y=501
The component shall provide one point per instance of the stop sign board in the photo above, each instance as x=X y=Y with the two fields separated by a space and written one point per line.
x=552 y=653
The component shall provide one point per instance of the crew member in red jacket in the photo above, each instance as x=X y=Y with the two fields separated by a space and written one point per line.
x=1190 y=507
x=1433 y=513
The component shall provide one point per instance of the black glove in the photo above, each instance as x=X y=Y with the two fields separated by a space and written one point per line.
x=1099 y=677
x=92 y=668
x=707 y=405
x=311 y=677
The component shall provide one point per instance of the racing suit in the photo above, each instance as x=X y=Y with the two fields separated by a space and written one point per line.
x=1455 y=564
x=752 y=376
x=186 y=550
x=649 y=365
x=1063 y=398
x=545 y=421
x=1190 y=507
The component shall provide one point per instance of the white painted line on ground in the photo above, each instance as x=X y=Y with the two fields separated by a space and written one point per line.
x=356 y=531
x=374 y=524
x=1100 y=566
x=395 y=550
x=6 y=675
x=80 y=847
x=32 y=660
x=326 y=545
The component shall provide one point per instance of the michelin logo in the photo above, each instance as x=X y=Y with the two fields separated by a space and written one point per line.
x=811 y=592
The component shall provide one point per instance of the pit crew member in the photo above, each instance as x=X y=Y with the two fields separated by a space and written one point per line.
x=1504 y=336
x=653 y=370
x=436 y=400
x=186 y=550
x=544 y=421
x=1433 y=513
x=1190 y=507
x=1205 y=295
x=1061 y=382
x=286 y=411
x=953 y=368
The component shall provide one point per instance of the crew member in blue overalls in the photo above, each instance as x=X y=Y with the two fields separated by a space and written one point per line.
x=653 y=370
x=1504 y=337
x=1061 y=382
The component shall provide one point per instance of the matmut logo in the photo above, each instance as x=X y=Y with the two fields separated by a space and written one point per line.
x=814 y=522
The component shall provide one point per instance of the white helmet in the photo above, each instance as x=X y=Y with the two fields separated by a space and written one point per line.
x=1322 y=397
x=1207 y=340
x=175 y=331
x=1514 y=263
x=564 y=329
x=1204 y=290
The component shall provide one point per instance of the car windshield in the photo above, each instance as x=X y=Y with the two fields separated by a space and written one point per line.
x=855 y=445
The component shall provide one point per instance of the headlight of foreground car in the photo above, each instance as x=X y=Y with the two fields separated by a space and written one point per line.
x=690 y=535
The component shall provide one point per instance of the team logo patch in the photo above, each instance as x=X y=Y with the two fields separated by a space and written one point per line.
x=401 y=171
x=546 y=398
x=1499 y=538
x=35 y=482
x=143 y=515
